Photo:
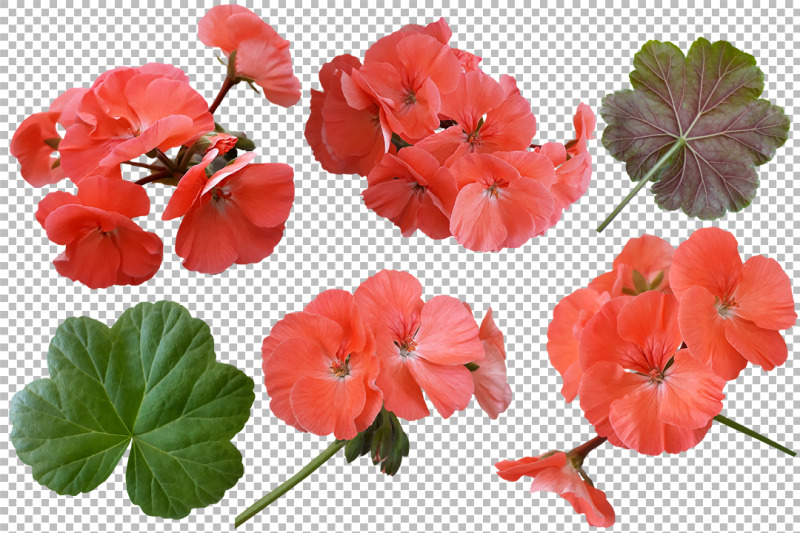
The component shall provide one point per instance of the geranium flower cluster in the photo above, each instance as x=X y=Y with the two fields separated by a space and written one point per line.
x=233 y=211
x=649 y=347
x=446 y=148
x=352 y=365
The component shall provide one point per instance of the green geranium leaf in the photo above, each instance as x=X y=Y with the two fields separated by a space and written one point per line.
x=152 y=380
x=695 y=125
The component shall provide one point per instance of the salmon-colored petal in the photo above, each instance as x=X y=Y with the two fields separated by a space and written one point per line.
x=592 y=503
x=329 y=405
x=396 y=200
x=391 y=300
x=600 y=340
x=221 y=175
x=530 y=165
x=584 y=122
x=425 y=57
x=124 y=197
x=708 y=258
x=691 y=393
x=81 y=153
x=254 y=243
x=764 y=294
x=270 y=65
x=431 y=219
x=602 y=384
x=263 y=192
x=529 y=466
x=34 y=155
x=444 y=144
x=649 y=255
x=72 y=221
x=650 y=320
x=91 y=259
x=140 y=252
x=303 y=325
x=293 y=359
x=226 y=26
x=762 y=347
x=449 y=387
x=510 y=126
x=564 y=333
x=571 y=180
x=491 y=382
x=703 y=330
x=476 y=94
x=402 y=394
x=158 y=135
x=477 y=222
x=373 y=403
x=53 y=201
x=340 y=306
x=66 y=105
x=524 y=197
x=555 y=152
x=205 y=240
x=634 y=418
x=448 y=334
x=421 y=117
x=189 y=188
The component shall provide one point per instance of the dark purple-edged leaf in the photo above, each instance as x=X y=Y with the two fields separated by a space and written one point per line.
x=696 y=125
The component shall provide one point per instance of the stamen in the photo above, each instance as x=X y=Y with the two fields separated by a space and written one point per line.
x=407 y=347
x=340 y=369
x=656 y=376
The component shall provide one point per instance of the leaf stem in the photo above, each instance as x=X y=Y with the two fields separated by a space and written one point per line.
x=747 y=431
x=642 y=182
x=142 y=165
x=287 y=485
x=154 y=177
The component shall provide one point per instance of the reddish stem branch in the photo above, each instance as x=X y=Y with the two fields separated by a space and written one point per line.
x=226 y=86
x=154 y=177
x=584 y=449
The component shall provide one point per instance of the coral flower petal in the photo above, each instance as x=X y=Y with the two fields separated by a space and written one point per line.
x=205 y=239
x=651 y=320
x=264 y=192
x=602 y=384
x=600 y=340
x=53 y=201
x=124 y=197
x=270 y=66
x=477 y=222
x=476 y=94
x=449 y=387
x=34 y=155
x=710 y=259
x=703 y=330
x=690 y=394
x=529 y=466
x=762 y=347
x=189 y=188
x=340 y=306
x=328 y=405
x=764 y=294
x=392 y=300
x=448 y=334
x=79 y=261
x=401 y=392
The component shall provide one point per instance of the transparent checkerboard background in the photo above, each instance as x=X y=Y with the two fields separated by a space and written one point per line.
x=560 y=56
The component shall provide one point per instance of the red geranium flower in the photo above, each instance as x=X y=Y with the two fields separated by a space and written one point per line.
x=261 y=54
x=235 y=216
x=104 y=246
x=320 y=368
x=129 y=112
x=731 y=312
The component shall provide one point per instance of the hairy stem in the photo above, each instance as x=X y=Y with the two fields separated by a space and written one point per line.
x=747 y=431
x=287 y=485
x=644 y=181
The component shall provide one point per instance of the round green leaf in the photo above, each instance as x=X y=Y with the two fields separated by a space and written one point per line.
x=151 y=380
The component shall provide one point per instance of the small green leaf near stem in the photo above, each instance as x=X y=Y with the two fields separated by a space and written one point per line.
x=749 y=432
x=679 y=142
x=287 y=485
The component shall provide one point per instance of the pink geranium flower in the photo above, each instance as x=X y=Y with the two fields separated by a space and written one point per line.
x=320 y=368
x=731 y=312
x=235 y=216
x=37 y=139
x=491 y=116
x=104 y=246
x=262 y=55
x=412 y=190
x=639 y=389
x=421 y=346
x=556 y=472
x=129 y=112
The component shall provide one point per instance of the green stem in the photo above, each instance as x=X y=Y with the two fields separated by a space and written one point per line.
x=642 y=182
x=287 y=485
x=747 y=431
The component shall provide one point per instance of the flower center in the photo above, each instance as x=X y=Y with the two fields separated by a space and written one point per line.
x=725 y=306
x=340 y=369
x=492 y=191
x=218 y=194
x=410 y=98
x=418 y=189
x=407 y=347
x=656 y=376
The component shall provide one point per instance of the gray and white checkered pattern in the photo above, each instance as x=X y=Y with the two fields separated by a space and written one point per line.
x=561 y=55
